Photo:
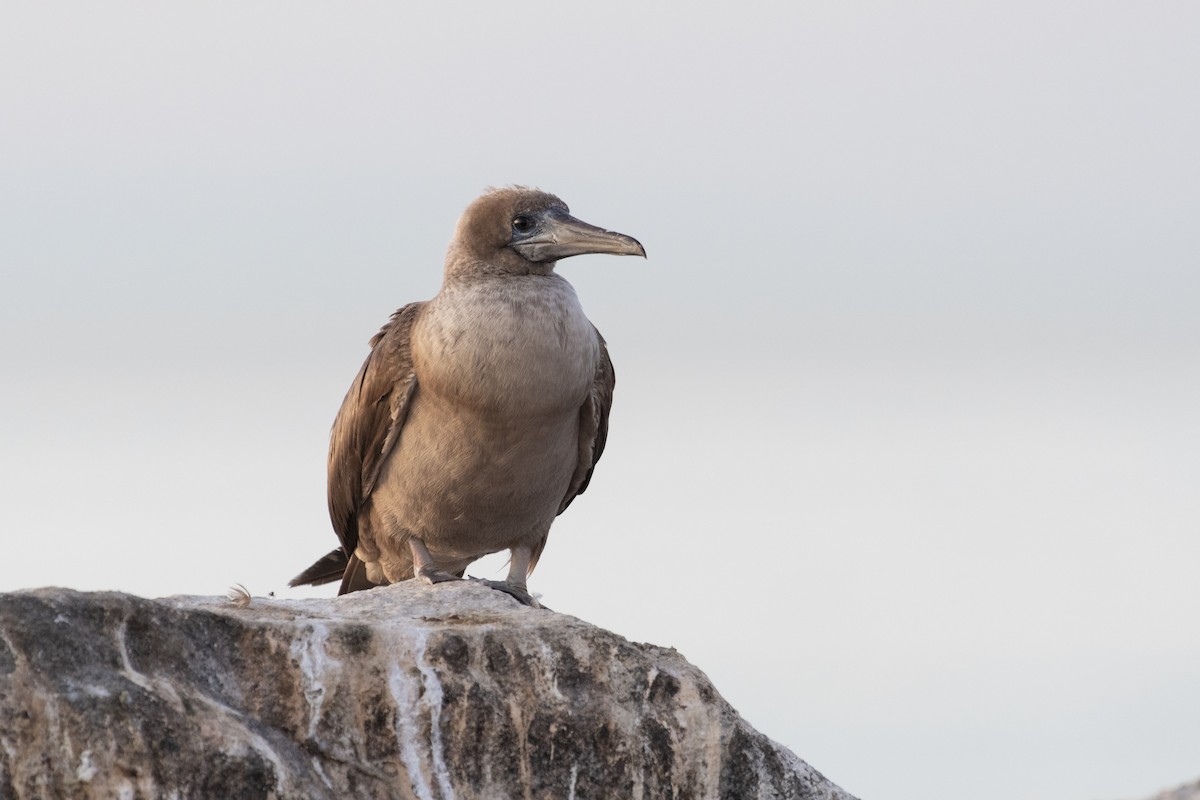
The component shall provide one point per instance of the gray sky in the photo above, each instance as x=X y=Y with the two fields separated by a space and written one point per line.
x=905 y=448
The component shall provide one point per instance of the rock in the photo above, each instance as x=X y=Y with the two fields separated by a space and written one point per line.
x=408 y=691
x=1189 y=791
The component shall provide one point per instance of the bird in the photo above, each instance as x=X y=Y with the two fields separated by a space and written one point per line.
x=478 y=415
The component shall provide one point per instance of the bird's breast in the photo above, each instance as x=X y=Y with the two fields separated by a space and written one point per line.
x=516 y=345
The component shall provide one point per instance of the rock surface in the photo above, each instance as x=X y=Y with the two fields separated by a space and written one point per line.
x=407 y=691
x=1189 y=791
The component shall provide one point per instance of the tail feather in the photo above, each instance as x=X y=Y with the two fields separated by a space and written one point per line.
x=337 y=566
x=354 y=577
x=327 y=569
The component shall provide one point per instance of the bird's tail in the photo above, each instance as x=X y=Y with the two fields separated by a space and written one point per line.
x=327 y=569
x=354 y=577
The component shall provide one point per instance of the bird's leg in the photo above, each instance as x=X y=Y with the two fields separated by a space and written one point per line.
x=518 y=571
x=425 y=569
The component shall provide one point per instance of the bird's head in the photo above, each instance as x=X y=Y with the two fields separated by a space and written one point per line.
x=522 y=231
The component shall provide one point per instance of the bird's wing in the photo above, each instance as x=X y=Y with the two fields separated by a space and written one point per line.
x=369 y=422
x=593 y=425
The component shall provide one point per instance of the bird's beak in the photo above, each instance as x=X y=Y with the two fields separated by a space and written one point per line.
x=561 y=236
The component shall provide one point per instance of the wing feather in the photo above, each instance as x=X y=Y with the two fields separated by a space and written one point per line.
x=369 y=423
x=593 y=425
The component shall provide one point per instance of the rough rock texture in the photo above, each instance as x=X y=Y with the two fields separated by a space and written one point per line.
x=402 y=692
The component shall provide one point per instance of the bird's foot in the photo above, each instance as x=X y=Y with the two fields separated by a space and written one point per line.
x=431 y=575
x=517 y=591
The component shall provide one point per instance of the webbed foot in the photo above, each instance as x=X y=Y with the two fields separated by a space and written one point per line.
x=511 y=589
x=431 y=574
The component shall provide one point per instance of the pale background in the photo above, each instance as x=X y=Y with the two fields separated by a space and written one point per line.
x=906 y=445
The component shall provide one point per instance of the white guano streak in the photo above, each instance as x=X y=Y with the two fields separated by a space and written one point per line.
x=408 y=712
x=308 y=649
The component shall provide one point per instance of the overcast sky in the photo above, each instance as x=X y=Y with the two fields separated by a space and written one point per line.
x=905 y=450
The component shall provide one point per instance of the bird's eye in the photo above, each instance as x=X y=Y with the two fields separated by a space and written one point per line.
x=522 y=224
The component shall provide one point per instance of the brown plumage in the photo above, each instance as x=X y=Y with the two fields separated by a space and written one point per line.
x=479 y=415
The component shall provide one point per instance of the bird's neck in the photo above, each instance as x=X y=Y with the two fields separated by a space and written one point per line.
x=463 y=265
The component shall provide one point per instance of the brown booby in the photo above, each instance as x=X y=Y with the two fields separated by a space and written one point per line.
x=479 y=415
